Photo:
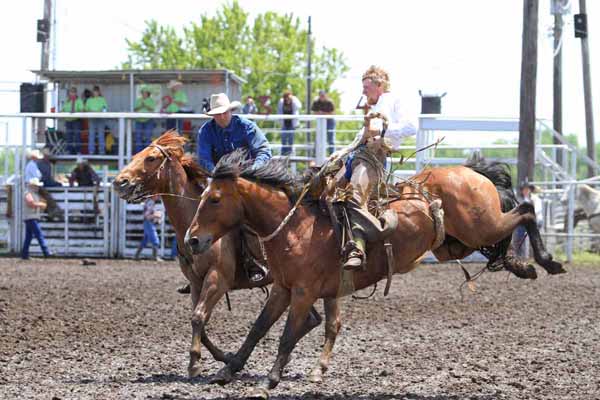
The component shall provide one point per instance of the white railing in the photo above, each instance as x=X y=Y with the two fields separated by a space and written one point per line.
x=313 y=150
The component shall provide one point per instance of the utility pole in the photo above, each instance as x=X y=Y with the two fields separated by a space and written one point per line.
x=581 y=32
x=558 y=8
x=308 y=73
x=525 y=164
x=44 y=34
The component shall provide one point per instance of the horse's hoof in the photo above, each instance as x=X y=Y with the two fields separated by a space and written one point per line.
x=228 y=357
x=520 y=270
x=316 y=376
x=272 y=382
x=194 y=371
x=223 y=377
x=258 y=394
x=554 y=268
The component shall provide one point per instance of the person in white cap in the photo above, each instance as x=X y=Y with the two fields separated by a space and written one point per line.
x=34 y=205
x=32 y=171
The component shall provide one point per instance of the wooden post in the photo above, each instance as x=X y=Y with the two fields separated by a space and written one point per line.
x=525 y=164
x=587 y=93
x=557 y=9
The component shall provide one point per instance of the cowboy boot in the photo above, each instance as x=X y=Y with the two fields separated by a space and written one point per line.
x=155 y=254
x=138 y=253
x=355 y=254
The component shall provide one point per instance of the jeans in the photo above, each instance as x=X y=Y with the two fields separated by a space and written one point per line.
x=176 y=124
x=143 y=134
x=287 y=141
x=73 y=132
x=150 y=234
x=96 y=126
x=330 y=135
x=174 y=251
x=32 y=228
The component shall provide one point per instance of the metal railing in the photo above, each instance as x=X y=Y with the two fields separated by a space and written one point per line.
x=311 y=146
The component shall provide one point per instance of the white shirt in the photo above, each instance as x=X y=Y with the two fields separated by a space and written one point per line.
x=32 y=171
x=399 y=126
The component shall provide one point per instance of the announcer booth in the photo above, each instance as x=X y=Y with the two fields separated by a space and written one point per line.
x=95 y=221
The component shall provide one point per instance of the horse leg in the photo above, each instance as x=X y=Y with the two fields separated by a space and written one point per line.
x=300 y=306
x=333 y=323
x=276 y=304
x=212 y=291
x=541 y=256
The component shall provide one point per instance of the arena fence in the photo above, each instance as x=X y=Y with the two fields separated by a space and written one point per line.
x=114 y=228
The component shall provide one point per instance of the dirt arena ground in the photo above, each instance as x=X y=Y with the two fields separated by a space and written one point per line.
x=118 y=330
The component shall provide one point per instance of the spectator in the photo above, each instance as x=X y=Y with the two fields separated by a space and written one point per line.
x=205 y=105
x=178 y=102
x=324 y=106
x=151 y=218
x=288 y=104
x=34 y=205
x=73 y=125
x=46 y=169
x=144 y=126
x=97 y=103
x=83 y=174
x=32 y=171
x=250 y=106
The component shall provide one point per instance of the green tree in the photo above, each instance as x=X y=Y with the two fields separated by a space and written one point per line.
x=270 y=52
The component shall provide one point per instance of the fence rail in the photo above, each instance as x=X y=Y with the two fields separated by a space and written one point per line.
x=116 y=228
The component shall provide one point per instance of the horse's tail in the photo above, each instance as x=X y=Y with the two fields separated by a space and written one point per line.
x=498 y=173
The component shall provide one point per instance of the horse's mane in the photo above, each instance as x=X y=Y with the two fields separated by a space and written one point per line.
x=273 y=173
x=173 y=143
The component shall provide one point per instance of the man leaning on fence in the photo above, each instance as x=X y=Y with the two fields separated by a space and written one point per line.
x=32 y=171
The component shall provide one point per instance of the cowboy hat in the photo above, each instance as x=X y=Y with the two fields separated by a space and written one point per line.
x=35 y=182
x=219 y=103
x=35 y=153
x=172 y=84
x=81 y=160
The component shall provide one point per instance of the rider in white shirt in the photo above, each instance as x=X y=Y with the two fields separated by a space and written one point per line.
x=364 y=166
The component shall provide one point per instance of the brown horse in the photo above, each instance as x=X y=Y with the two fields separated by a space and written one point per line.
x=305 y=257
x=162 y=168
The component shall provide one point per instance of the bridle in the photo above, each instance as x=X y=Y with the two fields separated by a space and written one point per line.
x=166 y=155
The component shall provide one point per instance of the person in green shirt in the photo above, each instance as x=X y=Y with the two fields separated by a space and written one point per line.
x=178 y=102
x=96 y=103
x=144 y=126
x=73 y=104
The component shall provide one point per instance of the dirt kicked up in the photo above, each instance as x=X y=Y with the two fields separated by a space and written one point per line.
x=118 y=330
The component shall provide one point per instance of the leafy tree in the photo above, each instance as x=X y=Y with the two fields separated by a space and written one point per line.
x=270 y=52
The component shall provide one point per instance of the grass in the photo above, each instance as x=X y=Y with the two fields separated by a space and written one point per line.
x=581 y=257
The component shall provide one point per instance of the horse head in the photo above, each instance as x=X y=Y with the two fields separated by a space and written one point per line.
x=240 y=194
x=153 y=170
x=220 y=207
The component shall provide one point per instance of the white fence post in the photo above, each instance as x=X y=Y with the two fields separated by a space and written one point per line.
x=321 y=141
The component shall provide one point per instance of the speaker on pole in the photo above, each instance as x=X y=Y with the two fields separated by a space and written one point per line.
x=32 y=97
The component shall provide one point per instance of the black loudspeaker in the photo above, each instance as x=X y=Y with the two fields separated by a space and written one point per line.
x=32 y=97
x=431 y=103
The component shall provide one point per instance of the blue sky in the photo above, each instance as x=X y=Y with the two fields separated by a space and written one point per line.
x=469 y=49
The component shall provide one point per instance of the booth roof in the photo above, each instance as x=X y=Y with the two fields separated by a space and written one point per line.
x=140 y=76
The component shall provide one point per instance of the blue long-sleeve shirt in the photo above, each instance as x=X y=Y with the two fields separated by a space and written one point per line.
x=214 y=142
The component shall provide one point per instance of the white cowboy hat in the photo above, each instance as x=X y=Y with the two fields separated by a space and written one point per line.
x=35 y=182
x=219 y=103
x=173 y=84
x=35 y=153
x=81 y=160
